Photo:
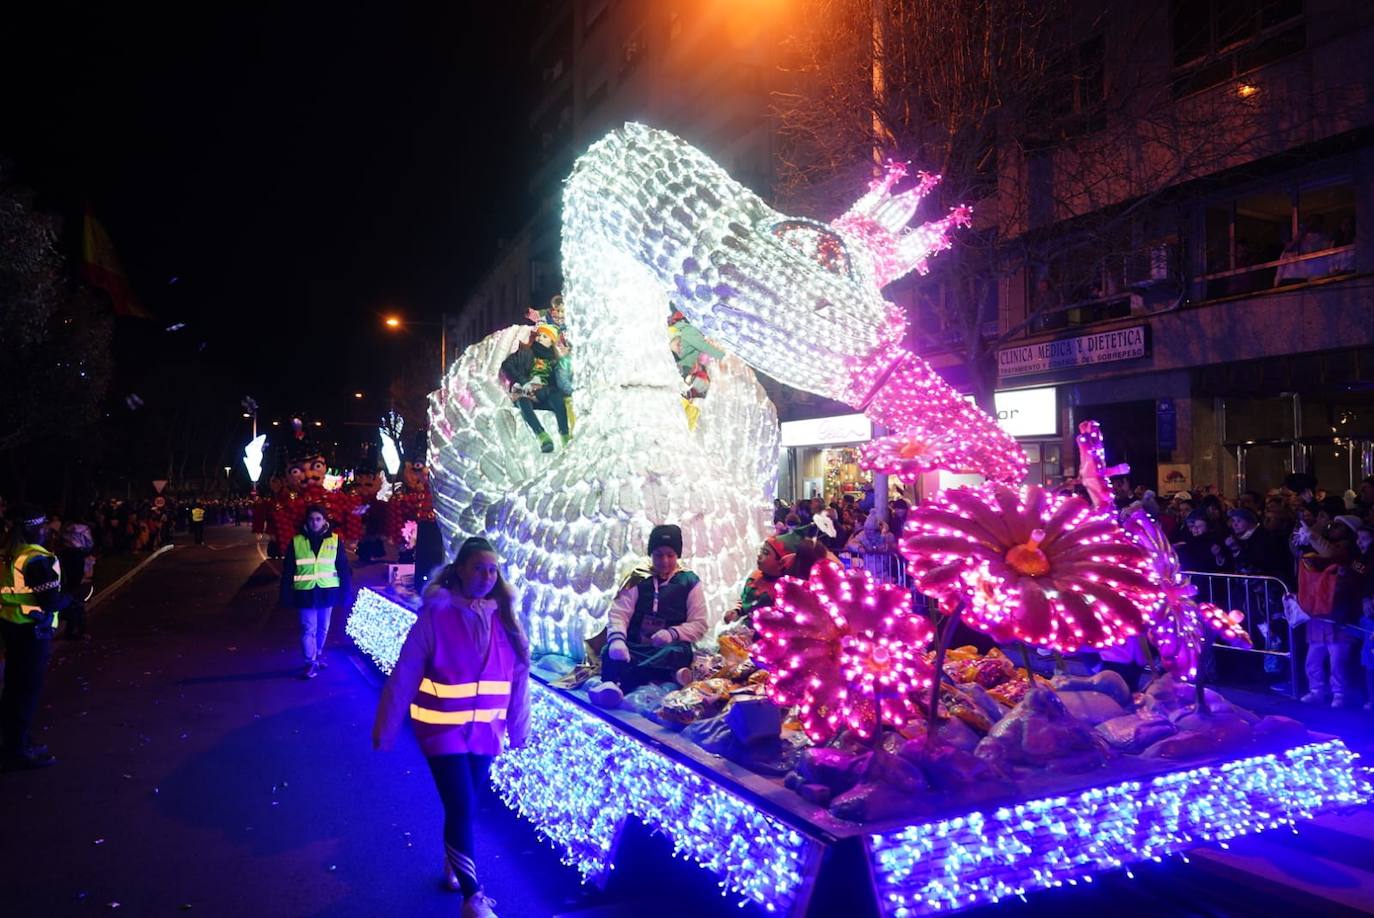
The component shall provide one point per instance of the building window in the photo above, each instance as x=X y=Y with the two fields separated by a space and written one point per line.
x=1213 y=41
x=1277 y=236
x=1081 y=287
x=596 y=14
x=597 y=95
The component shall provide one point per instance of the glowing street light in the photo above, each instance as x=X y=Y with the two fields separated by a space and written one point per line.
x=357 y=395
x=393 y=322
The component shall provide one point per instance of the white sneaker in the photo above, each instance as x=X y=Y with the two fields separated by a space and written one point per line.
x=1314 y=698
x=606 y=695
x=1337 y=701
x=479 y=905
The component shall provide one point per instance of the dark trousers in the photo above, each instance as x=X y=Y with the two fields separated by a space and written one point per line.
x=461 y=779
x=198 y=532
x=647 y=664
x=26 y=658
x=75 y=615
x=549 y=398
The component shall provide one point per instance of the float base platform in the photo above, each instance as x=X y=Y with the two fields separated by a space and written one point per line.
x=587 y=774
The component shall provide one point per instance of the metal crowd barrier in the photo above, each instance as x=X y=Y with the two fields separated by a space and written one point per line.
x=886 y=567
x=1260 y=597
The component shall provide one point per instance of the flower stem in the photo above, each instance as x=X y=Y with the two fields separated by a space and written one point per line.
x=943 y=636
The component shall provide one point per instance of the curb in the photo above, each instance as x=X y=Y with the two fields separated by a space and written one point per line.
x=125 y=578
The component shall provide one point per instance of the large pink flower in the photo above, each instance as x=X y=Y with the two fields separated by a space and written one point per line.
x=849 y=652
x=1179 y=623
x=1042 y=568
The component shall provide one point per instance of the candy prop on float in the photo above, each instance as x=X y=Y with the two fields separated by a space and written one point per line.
x=648 y=218
x=1179 y=624
x=848 y=651
x=1093 y=470
x=1030 y=566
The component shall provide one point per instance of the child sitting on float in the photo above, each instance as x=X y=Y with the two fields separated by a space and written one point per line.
x=653 y=622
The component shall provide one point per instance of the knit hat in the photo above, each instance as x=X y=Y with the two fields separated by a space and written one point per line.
x=1197 y=516
x=1244 y=513
x=1349 y=521
x=668 y=535
x=544 y=328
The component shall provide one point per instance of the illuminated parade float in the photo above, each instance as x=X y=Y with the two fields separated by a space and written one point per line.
x=832 y=734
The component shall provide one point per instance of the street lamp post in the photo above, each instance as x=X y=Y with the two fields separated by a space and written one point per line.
x=395 y=322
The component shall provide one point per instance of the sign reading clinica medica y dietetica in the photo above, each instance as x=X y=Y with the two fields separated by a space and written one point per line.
x=1078 y=351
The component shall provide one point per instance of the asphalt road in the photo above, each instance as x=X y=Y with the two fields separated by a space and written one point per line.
x=197 y=773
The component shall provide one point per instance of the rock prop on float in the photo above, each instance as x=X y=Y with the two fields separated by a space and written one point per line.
x=754 y=721
x=950 y=769
x=1132 y=733
x=1040 y=733
x=1091 y=707
x=834 y=768
x=1107 y=682
x=954 y=732
x=871 y=802
x=712 y=734
x=899 y=772
x=990 y=706
x=1276 y=728
x=1167 y=695
x=1227 y=729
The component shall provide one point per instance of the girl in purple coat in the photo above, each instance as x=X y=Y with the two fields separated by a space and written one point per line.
x=462 y=679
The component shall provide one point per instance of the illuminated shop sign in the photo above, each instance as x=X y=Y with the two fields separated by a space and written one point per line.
x=1028 y=412
x=833 y=431
x=1079 y=351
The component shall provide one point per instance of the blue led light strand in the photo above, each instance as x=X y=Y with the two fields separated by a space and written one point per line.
x=580 y=778
x=979 y=858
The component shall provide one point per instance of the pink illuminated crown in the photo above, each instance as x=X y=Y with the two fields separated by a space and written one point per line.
x=879 y=220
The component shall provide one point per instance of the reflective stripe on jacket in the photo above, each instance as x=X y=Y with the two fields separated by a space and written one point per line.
x=465 y=695
x=314 y=570
x=18 y=600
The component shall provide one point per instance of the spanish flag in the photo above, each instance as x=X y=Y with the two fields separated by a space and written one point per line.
x=101 y=268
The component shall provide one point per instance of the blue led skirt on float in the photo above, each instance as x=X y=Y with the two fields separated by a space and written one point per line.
x=586 y=773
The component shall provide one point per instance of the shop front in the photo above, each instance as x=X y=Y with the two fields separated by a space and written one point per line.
x=1032 y=417
x=820 y=457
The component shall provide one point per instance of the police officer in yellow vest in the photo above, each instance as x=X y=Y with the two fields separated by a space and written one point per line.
x=30 y=598
x=314 y=578
x=198 y=521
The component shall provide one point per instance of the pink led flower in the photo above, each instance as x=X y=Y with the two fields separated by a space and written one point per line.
x=846 y=650
x=1179 y=623
x=1028 y=565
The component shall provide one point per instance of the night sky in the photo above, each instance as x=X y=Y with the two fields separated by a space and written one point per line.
x=297 y=171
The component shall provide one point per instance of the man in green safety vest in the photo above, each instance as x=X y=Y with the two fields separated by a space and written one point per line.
x=314 y=578
x=30 y=598
x=198 y=521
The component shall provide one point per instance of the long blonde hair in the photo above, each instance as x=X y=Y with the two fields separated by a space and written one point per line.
x=449 y=579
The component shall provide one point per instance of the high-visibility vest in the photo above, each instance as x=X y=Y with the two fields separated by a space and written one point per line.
x=314 y=570
x=197 y=514
x=465 y=694
x=18 y=601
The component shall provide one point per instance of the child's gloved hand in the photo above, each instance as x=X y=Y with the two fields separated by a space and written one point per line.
x=660 y=638
x=618 y=651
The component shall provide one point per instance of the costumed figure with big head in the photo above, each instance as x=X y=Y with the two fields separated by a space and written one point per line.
x=414 y=503
x=368 y=483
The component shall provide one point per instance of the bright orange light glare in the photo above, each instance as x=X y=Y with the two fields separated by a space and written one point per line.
x=1246 y=90
x=393 y=322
